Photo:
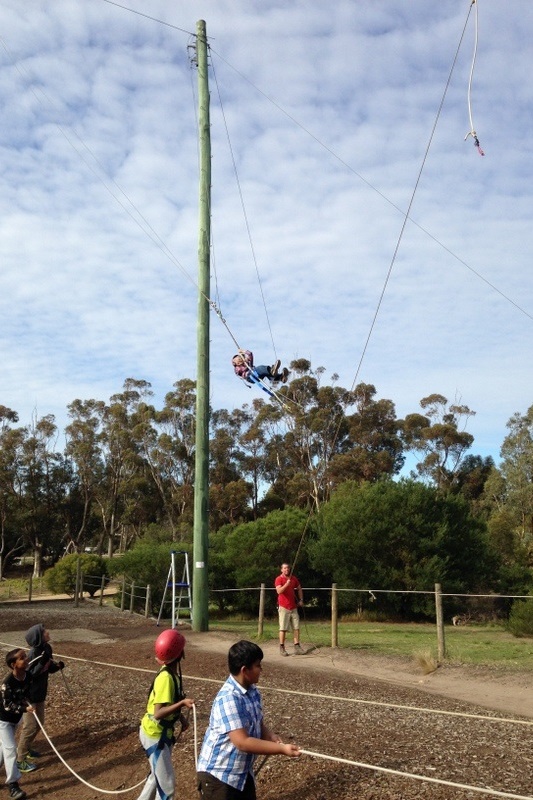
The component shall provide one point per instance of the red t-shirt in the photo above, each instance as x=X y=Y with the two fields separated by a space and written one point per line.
x=287 y=599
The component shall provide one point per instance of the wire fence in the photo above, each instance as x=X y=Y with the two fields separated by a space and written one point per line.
x=260 y=601
x=132 y=595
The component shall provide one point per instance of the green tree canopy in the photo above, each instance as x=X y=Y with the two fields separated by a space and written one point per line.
x=251 y=553
x=440 y=437
x=402 y=536
x=517 y=472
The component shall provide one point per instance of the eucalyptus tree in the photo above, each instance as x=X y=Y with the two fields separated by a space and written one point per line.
x=373 y=447
x=41 y=487
x=167 y=439
x=503 y=520
x=11 y=540
x=122 y=493
x=306 y=434
x=516 y=470
x=235 y=455
x=439 y=436
x=331 y=435
x=471 y=481
x=83 y=448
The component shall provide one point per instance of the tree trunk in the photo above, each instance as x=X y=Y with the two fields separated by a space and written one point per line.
x=37 y=561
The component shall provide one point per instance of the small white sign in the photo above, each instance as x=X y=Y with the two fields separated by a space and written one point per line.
x=200 y=564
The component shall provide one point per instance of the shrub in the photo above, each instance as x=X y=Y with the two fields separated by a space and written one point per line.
x=521 y=618
x=148 y=562
x=61 y=578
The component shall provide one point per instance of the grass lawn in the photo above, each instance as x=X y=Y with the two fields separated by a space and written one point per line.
x=489 y=645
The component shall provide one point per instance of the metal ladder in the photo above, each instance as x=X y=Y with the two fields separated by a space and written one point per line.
x=181 y=590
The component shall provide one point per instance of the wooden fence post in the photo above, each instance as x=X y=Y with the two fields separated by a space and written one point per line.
x=441 y=647
x=77 y=587
x=132 y=596
x=147 y=601
x=30 y=588
x=334 y=616
x=102 y=587
x=123 y=598
x=261 y=620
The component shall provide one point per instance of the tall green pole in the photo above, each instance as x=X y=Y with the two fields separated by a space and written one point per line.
x=200 y=599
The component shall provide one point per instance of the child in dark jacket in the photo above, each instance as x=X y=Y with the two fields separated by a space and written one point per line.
x=41 y=665
x=14 y=701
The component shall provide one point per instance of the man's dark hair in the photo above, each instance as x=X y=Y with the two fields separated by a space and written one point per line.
x=243 y=654
x=12 y=656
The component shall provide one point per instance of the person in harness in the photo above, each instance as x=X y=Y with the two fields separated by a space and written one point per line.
x=166 y=702
x=243 y=366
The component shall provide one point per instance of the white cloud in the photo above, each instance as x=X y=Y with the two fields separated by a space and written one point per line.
x=329 y=113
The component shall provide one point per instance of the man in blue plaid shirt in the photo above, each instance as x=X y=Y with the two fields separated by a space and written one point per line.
x=236 y=732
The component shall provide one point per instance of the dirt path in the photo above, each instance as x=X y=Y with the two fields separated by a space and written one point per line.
x=507 y=692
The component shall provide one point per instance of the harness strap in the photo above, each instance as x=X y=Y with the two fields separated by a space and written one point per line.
x=167 y=724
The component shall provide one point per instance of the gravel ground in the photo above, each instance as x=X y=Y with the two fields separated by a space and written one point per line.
x=323 y=704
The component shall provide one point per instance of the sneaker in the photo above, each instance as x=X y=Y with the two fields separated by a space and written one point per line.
x=298 y=650
x=26 y=766
x=284 y=374
x=16 y=792
x=274 y=368
x=33 y=754
x=282 y=651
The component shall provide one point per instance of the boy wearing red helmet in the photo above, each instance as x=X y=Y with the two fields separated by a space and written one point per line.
x=166 y=701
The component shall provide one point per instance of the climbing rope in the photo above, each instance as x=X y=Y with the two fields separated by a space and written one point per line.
x=406 y=217
x=472 y=131
x=244 y=212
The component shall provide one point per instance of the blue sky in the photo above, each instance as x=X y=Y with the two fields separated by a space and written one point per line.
x=327 y=111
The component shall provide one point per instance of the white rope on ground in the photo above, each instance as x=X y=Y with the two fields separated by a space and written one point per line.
x=90 y=785
x=355 y=700
x=397 y=705
x=414 y=776
x=362 y=765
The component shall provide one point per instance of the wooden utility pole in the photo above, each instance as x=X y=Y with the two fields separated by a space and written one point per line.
x=200 y=603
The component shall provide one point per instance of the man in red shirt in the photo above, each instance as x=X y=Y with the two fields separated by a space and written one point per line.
x=288 y=588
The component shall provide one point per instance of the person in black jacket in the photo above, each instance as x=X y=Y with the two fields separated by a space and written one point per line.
x=14 y=701
x=41 y=665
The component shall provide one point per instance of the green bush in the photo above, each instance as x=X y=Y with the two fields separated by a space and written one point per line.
x=521 y=618
x=61 y=578
x=148 y=562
